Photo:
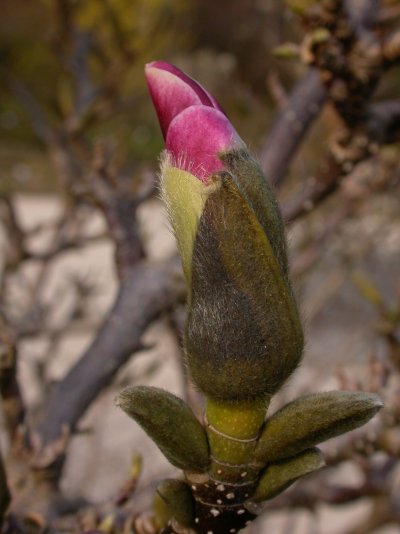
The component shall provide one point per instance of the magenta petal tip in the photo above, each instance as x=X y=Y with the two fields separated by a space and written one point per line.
x=193 y=125
x=172 y=91
x=197 y=136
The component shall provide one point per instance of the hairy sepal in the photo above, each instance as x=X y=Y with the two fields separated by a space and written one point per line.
x=243 y=335
x=170 y=423
x=312 y=419
x=279 y=476
x=255 y=188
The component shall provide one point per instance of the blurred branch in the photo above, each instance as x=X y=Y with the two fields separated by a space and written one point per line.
x=85 y=91
x=354 y=69
x=384 y=511
x=148 y=290
x=382 y=126
x=384 y=121
x=304 y=104
x=63 y=11
x=316 y=190
x=388 y=14
x=19 y=249
x=306 y=258
x=362 y=14
x=55 y=140
x=112 y=195
x=277 y=90
x=119 y=37
x=15 y=233
x=4 y=492
x=39 y=121
x=64 y=245
x=291 y=125
x=391 y=49
x=12 y=403
x=351 y=74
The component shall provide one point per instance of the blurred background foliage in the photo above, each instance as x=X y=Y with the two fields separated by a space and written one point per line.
x=81 y=63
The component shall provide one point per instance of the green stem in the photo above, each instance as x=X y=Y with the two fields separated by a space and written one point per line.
x=233 y=430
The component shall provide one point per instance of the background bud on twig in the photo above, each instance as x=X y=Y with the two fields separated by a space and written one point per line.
x=243 y=335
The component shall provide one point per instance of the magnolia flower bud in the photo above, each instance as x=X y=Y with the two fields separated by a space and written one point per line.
x=194 y=127
x=243 y=335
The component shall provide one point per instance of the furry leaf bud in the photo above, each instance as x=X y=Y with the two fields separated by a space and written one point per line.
x=312 y=419
x=170 y=423
x=279 y=476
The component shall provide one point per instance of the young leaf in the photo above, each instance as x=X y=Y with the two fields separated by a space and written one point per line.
x=170 y=423
x=243 y=335
x=279 y=476
x=177 y=496
x=311 y=419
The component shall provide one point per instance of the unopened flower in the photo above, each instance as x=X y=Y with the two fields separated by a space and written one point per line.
x=243 y=335
x=194 y=127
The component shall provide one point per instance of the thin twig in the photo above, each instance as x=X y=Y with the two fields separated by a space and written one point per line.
x=291 y=125
x=147 y=291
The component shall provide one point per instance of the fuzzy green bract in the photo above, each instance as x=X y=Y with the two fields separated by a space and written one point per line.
x=184 y=196
x=312 y=419
x=243 y=336
x=279 y=476
x=177 y=496
x=170 y=423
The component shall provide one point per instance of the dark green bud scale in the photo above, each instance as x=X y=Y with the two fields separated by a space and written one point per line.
x=279 y=476
x=243 y=336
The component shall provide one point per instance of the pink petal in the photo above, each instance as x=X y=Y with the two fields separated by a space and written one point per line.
x=197 y=135
x=172 y=91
